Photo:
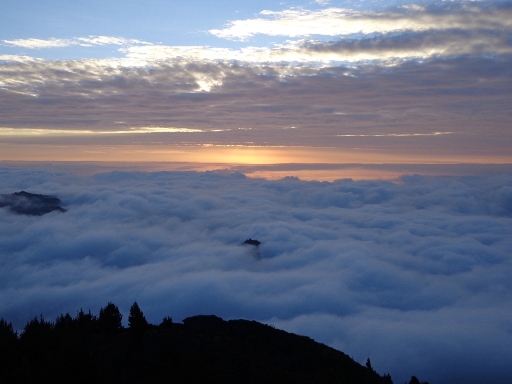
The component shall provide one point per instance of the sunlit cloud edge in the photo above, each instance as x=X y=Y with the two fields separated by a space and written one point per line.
x=69 y=132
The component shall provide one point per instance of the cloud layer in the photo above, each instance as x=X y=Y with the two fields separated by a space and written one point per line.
x=339 y=21
x=415 y=275
x=379 y=109
x=380 y=81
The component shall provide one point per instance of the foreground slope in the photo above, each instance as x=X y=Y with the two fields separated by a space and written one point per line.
x=202 y=348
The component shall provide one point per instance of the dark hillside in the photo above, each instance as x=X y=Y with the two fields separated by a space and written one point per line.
x=203 y=348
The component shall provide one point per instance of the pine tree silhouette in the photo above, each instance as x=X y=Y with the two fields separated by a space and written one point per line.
x=109 y=319
x=136 y=320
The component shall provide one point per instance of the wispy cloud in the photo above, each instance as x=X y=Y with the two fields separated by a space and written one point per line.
x=339 y=21
x=4 y=131
x=77 y=41
x=402 y=33
x=39 y=43
x=408 y=46
x=396 y=134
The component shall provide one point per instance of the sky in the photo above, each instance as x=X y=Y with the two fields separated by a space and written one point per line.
x=413 y=274
x=366 y=144
x=325 y=82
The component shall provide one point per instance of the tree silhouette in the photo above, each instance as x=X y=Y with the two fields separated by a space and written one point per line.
x=415 y=380
x=109 y=319
x=136 y=320
x=166 y=322
x=8 y=350
x=64 y=323
x=36 y=338
x=369 y=364
x=203 y=348
x=387 y=378
x=37 y=329
x=7 y=333
x=85 y=321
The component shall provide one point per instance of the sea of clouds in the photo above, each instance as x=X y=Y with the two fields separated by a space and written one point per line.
x=415 y=274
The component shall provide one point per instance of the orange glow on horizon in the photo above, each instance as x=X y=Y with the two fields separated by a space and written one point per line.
x=254 y=162
x=226 y=154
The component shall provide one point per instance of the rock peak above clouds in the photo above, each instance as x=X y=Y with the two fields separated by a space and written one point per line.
x=26 y=203
x=256 y=243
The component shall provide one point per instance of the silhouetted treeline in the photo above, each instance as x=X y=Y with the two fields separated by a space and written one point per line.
x=87 y=348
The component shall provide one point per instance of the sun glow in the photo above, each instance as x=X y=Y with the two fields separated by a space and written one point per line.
x=232 y=154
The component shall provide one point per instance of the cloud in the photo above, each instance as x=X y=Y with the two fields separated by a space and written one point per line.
x=339 y=21
x=39 y=43
x=443 y=43
x=397 y=134
x=405 y=273
x=77 y=41
x=344 y=106
x=444 y=67
x=400 y=33
x=384 y=48
x=77 y=132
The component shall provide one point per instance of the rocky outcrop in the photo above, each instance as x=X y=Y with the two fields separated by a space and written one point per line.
x=255 y=243
x=26 y=203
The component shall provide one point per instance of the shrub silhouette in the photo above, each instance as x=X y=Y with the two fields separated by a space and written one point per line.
x=166 y=322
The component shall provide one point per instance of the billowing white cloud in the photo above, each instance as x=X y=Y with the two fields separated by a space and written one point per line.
x=340 y=21
x=414 y=275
